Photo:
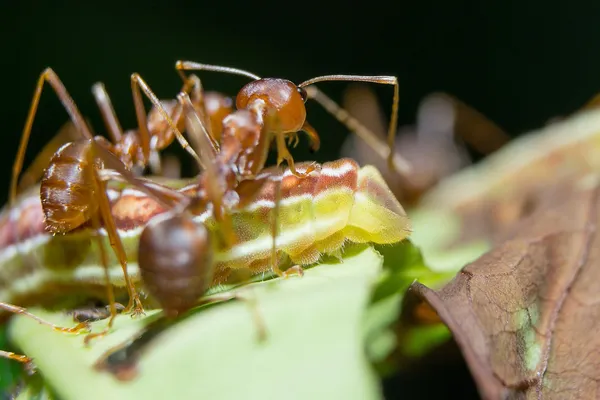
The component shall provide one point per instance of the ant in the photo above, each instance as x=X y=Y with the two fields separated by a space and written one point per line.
x=183 y=252
x=267 y=109
x=273 y=109
x=212 y=107
x=135 y=148
x=193 y=227
x=71 y=191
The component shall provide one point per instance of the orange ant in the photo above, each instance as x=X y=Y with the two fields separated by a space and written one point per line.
x=178 y=282
x=267 y=109
x=212 y=107
x=135 y=148
x=272 y=107
x=72 y=193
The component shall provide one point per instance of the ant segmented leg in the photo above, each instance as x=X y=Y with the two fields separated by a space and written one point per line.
x=140 y=113
x=79 y=328
x=198 y=130
x=395 y=162
x=121 y=360
x=133 y=297
x=279 y=106
x=138 y=83
x=23 y=311
x=382 y=150
x=81 y=126
x=261 y=327
x=135 y=304
x=193 y=85
x=171 y=167
x=296 y=269
x=17 y=357
x=283 y=154
x=107 y=111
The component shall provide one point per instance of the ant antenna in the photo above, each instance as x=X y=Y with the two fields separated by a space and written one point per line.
x=107 y=111
x=357 y=127
x=194 y=66
x=395 y=162
x=207 y=151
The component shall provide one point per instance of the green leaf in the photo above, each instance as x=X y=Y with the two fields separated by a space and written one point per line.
x=10 y=371
x=324 y=331
x=434 y=231
x=314 y=346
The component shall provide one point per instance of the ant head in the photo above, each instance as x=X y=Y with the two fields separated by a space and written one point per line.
x=284 y=102
x=176 y=261
x=65 y=209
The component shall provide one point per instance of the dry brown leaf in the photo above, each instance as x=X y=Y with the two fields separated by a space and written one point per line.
x=526 y=314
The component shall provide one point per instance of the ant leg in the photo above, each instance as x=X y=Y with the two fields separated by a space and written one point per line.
x=211 y=174
x=48 y=75
x=17 y=357
x=354 y=125
x=261 y=327
x=283 y=154
x=163 y=136
x=23 y=311
x=138 y=83
x=107 y=111
x=118 y=247
x=194 y=86
x=296 y=269
x=140 y=113
x=165 y=196
x=122 y=360
x=135 y=304
x=80 y=327
x=193 y=83
x=395 y=162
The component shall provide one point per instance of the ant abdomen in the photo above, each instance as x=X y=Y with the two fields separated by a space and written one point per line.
x=67 y=188
x=284 y=103
x=175 y=257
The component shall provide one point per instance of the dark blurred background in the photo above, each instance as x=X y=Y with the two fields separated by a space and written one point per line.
x=518 y=63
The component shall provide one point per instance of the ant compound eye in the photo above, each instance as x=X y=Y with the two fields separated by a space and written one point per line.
x=303 y=94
